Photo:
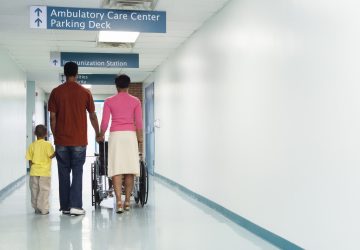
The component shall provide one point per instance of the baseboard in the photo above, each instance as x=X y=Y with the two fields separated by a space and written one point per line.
x=6 y=191
x=248 y=225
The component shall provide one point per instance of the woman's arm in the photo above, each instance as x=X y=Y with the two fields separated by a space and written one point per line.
x=139 y=122
x=139 y=135
x=105 y=120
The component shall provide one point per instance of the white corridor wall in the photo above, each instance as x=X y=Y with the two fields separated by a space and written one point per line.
x=13 y=120
x=260 y=112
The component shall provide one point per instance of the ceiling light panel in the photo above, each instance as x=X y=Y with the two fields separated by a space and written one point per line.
x=117 y=37
x=130 y=4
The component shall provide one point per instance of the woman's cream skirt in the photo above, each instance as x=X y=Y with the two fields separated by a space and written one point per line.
x=123 y=154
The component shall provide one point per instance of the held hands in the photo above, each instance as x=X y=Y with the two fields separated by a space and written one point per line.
x=100 y=137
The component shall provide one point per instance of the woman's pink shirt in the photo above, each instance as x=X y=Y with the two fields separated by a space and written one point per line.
x=125 y=111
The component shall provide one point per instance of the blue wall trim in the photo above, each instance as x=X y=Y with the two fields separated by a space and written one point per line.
x=6 y=191
x=248 y=225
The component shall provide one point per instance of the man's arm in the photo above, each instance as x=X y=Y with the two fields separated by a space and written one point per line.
x=53 y=122
x=94 y=123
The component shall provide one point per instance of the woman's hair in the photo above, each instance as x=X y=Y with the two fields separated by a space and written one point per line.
x=122 y=81
x=40 y=131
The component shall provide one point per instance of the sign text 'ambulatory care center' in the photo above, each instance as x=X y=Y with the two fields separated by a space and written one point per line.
x=66 y=18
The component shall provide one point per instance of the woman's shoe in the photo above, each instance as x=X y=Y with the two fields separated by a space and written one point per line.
x=127 y=206
x=119 y=209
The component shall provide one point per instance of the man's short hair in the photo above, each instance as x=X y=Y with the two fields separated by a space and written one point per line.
x=122 y=81
x=70 y=69
x=40 y=131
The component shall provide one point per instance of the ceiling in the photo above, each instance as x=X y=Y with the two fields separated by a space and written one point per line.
x=30 y=48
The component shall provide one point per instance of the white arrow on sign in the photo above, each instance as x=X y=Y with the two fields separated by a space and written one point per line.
x=62 y=78
x=55 y=59
x=38 y=17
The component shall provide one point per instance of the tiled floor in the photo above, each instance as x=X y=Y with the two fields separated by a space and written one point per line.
x=169 y=221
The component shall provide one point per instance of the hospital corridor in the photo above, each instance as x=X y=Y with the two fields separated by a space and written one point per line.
x=179 y=125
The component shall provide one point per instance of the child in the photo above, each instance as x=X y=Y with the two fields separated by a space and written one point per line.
x=39 y=154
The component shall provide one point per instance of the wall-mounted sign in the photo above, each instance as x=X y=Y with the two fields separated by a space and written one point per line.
x=93 y=79
x=95 y=60
x=66 y=18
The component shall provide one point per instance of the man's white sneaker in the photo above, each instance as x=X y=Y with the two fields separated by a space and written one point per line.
x=77 y=211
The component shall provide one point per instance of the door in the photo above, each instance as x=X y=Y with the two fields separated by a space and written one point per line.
x=46 y=122
x=149 y=128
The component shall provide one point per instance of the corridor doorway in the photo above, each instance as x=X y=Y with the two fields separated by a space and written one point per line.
x=149 y=128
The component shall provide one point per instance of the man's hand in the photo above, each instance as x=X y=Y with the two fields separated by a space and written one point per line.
x=100 y=137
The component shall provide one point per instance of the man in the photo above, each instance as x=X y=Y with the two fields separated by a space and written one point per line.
x=67 y=105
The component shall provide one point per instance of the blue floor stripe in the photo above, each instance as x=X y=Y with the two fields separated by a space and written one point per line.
x=252 y=227
x=6 y=191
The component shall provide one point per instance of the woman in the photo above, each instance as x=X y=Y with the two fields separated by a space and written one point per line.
x=125 y=135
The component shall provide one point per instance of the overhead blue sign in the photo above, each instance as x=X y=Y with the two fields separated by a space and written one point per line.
x=65 y=18
x=95 y=60
x=93 y=79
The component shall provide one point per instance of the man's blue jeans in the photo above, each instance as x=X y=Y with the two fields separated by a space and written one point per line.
x=70 y=159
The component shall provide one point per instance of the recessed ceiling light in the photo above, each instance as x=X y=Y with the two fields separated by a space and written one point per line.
x=118 y=36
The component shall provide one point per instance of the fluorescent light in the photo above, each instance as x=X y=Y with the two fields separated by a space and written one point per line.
x=87 y=86
x=118 y=36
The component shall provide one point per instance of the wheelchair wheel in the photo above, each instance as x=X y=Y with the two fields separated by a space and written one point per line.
x=144 y=184
x=137 y=197
x=94 y=184
x=136 y=190
x=147 y=184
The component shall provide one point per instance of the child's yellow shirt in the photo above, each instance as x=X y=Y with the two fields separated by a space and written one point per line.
x=39 y=152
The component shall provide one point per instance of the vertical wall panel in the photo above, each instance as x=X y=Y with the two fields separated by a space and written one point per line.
x=13 y=120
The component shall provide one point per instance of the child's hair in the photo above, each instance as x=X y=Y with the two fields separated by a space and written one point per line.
x=40 y=130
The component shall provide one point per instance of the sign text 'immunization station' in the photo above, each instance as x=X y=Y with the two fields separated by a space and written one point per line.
x=95 y=60
x=68 y=18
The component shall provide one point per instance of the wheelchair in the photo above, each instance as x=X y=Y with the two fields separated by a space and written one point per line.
x=102 y=187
